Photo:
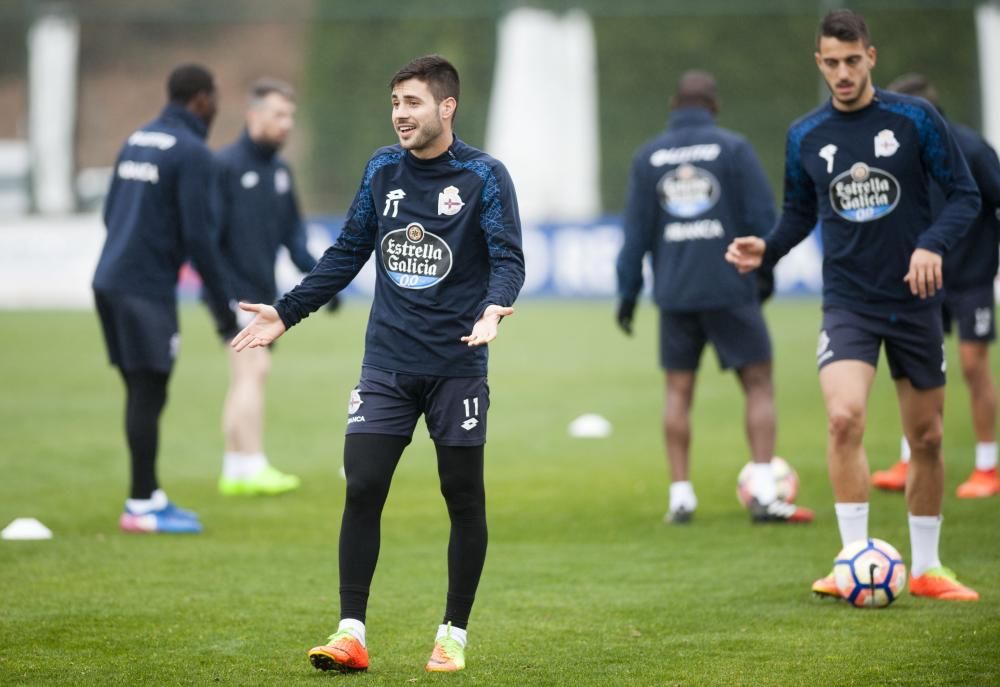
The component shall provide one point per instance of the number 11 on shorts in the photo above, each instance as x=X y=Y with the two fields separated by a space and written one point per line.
x=474 y=406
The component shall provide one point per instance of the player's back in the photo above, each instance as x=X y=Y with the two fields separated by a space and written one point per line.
x=160 y=165
x=973 y=261
x=708 y=188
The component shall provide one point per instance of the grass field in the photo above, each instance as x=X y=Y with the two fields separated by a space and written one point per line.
x=584 y=584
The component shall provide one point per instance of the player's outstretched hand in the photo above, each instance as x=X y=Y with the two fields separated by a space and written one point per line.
x=485 y=329
x=925 y=278
x=265 y=327
x=746 y=253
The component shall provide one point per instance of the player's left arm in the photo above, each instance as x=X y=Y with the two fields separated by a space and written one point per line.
x=946 y=165
x=501 y=225
x=757 y=207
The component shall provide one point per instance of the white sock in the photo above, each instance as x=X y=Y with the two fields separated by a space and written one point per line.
x=459 y=635
x=763 y=486
x=682 y=496
x=355 y=627
x=904 y=450
x=925 y=532
x=158 y=501
x=986 y=455
x=852 y=518
x=242 y=465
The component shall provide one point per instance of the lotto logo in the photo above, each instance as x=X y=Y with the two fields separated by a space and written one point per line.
x=470 y=424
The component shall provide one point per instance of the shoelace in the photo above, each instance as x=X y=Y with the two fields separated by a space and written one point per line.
x=340 y=634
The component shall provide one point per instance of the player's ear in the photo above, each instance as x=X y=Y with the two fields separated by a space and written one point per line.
x=447 y=107
x=871 y=55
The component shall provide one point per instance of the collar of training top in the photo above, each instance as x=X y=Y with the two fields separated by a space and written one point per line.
x=453 y=152
x=263 y=151
x=186 y=117
x=690 y=116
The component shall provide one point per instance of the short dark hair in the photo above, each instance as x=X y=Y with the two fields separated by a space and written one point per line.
x=844 y=25
x=697 y=88
x=914 y=84
x=438 y=73
x=187 y=81
x=266 y=86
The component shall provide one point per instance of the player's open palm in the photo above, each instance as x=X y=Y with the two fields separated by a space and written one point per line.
x=263 y=329
x=745 y=253
x=485 y=329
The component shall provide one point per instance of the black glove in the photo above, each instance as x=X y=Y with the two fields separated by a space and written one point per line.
x=765 y=284
x=626 y=310
x=333 y=304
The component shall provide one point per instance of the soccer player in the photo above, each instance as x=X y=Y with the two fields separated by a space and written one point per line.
x=970 y=268
x=862 y=163
x=258 y=213
x=442 y=218
x=157 y=215
x=692 y=189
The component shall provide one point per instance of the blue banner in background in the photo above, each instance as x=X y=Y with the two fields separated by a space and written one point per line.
x=567 y=260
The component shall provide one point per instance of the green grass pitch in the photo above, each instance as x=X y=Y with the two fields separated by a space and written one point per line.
x=584 y=584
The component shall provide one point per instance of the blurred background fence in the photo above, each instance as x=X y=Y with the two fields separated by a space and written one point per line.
x=340 y=55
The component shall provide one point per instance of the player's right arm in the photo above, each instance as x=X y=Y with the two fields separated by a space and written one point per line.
x=639 y=228
x=340 y=263
x=798 y=217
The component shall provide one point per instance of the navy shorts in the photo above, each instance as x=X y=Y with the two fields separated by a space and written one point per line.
x=973 y=311
x=914 y=343
x=738 y=334
x=454 y=408
x=140 y=333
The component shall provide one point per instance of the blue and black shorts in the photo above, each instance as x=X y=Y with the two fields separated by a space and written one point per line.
x=140 y=333
x=454 y=408
x=973 y=311
x=914 y=342
x=739 y=336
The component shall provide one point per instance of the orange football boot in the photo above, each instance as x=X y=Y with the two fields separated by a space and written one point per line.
x=980 y=485
x=342 y=652
x=893 y=479
x=941 y=583
x=826 y=586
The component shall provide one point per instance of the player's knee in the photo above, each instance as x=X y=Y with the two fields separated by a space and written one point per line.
x=845 y=424
x=927 y=439
x=365 y=490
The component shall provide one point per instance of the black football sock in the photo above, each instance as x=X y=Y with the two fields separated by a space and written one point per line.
x=145 y=397
x=369 y=462
x=461 y=471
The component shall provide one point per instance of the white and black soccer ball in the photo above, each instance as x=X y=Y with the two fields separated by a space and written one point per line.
x=870 y=573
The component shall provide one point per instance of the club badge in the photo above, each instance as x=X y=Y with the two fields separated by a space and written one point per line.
x=886 y=144
x=449 y=202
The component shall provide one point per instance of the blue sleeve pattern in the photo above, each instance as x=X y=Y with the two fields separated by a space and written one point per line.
x=932 y=148
x=503 y=242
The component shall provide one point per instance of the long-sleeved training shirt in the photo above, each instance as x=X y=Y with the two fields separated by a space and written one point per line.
x=447 y=242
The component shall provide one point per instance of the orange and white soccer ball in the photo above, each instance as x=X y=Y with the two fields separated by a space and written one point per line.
x=870 y=573
x=784 y=475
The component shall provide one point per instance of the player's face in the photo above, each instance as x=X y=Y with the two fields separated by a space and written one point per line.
x=422 y=125
x=271 y=120
x=846 y=67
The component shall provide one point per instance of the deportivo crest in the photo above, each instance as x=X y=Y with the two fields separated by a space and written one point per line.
x=688 y=191
x=249 y=179
x=863 y=193
x=355 y=402
x=414 y=258
x=282 y=182
x=449 y=201
x=886 y=144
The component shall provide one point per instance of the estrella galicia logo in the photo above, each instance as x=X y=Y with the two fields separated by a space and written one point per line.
x=688 y=191
x=414 y=258
x=863 y=193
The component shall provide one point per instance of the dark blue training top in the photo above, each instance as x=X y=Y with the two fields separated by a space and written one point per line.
x=973 y=261
x=866 y=176
x=258 y=213
x=158 y=213
x=692 y=189
x=447 y=239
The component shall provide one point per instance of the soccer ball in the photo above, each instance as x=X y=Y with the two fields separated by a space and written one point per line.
x=784 y=475
x=870 y=573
